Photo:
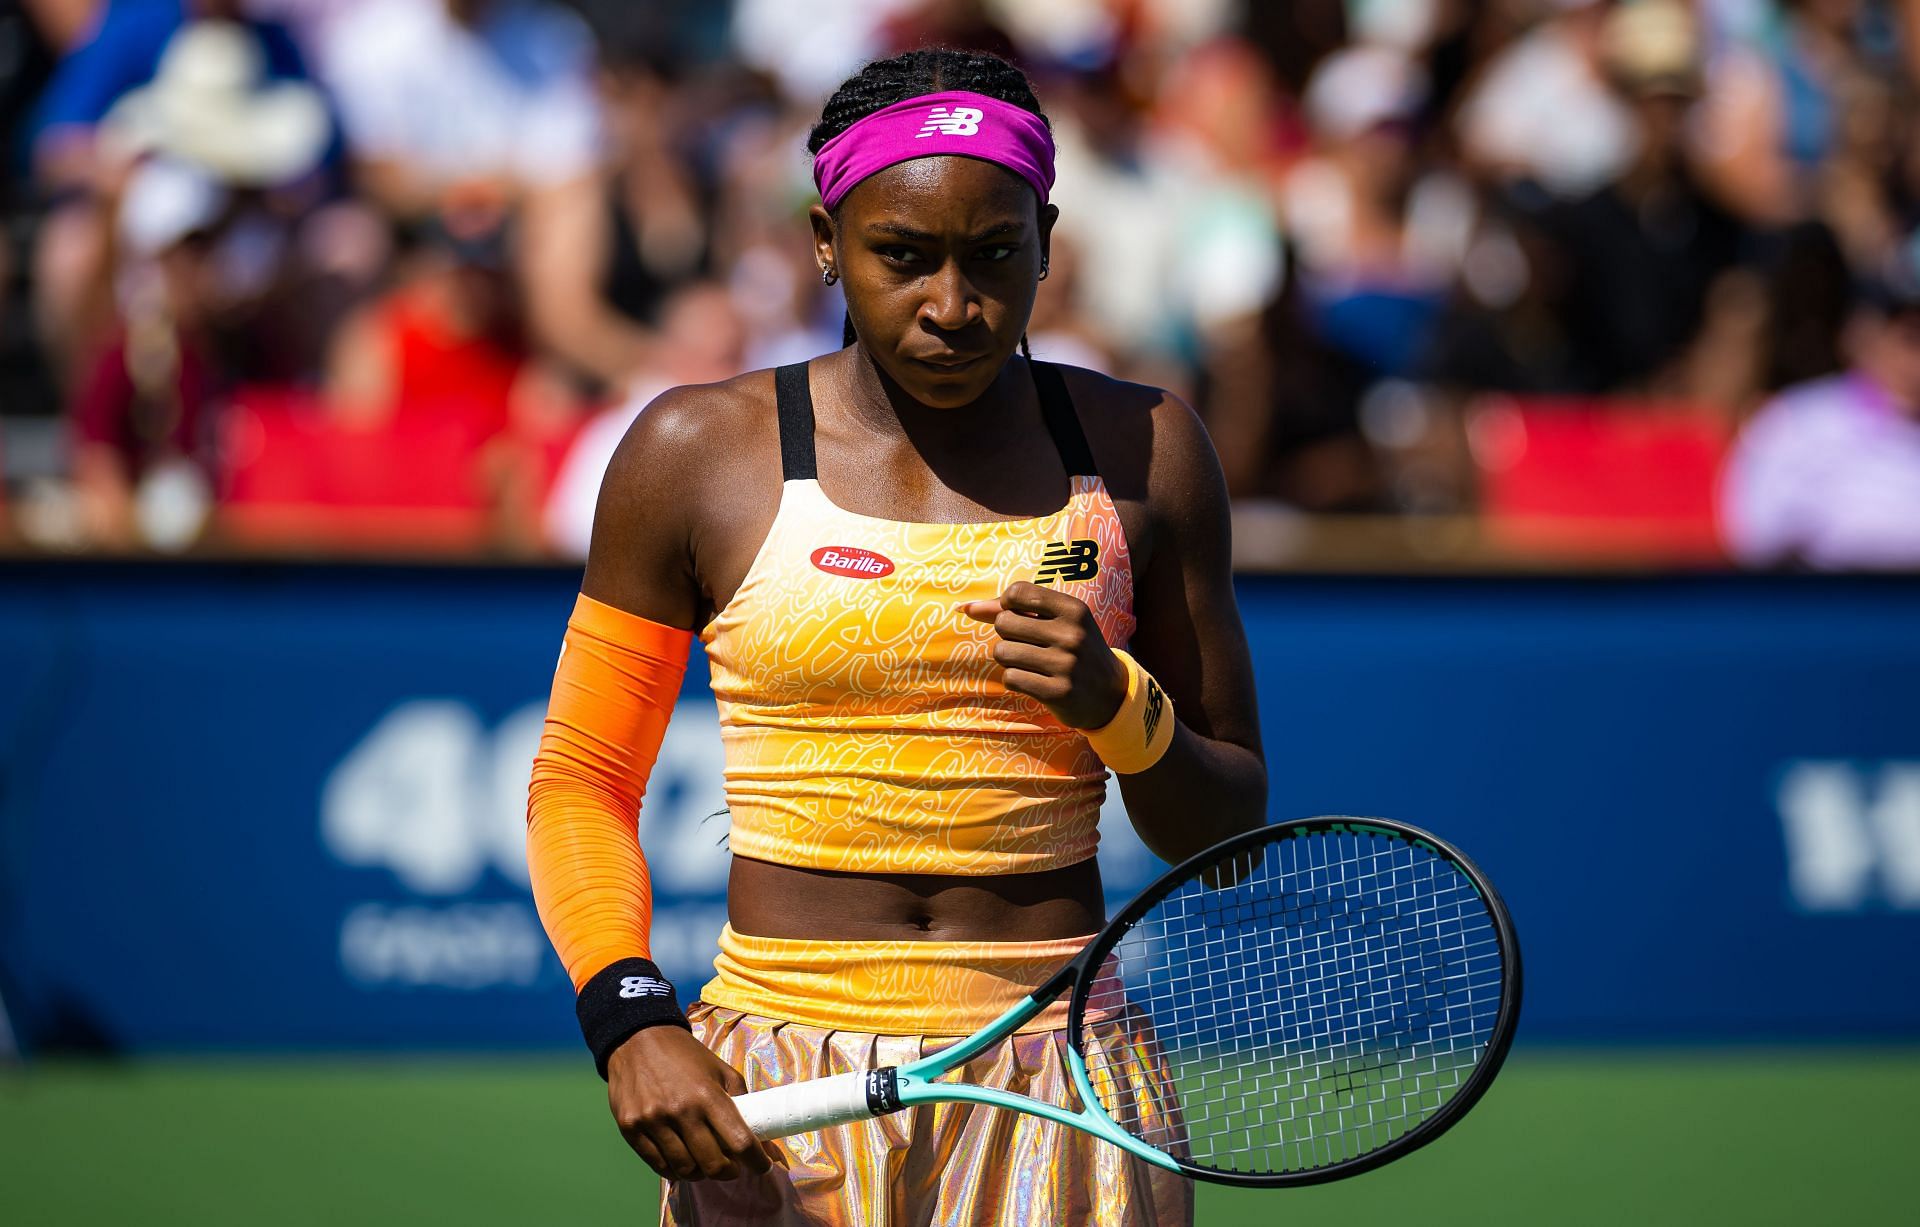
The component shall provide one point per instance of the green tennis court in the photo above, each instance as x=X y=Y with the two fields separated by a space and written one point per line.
x=1792 y=1136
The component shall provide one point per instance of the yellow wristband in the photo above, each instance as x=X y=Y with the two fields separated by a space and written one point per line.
x=1142 y=730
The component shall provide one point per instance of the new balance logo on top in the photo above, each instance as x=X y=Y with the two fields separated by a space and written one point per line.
x=1069 y=562
x=1156 y=703
x=951 y=121
x=644 y=986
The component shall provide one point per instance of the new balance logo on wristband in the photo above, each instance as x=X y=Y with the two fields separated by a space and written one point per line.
x=623 y=998
x=951 y=121
x=1156 y=703
x=1069 y=562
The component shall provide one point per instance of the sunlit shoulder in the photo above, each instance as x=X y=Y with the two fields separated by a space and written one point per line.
x=697 y=422
x=1147 y=440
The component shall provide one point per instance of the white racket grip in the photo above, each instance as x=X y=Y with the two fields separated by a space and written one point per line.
x=801 y=1107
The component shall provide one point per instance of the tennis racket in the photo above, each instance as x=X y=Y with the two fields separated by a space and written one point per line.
x=1296 y=1004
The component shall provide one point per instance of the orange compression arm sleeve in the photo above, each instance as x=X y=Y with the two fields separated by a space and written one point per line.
x=612 y=694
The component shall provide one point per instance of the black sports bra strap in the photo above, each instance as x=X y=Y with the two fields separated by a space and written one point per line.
x=794 y=400
x=1056 y=406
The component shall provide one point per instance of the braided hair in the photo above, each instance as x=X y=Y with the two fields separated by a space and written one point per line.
x=929 y=70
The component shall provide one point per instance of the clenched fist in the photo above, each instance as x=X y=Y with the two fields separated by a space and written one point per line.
x=1052 y=650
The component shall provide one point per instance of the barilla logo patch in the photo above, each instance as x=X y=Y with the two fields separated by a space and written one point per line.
x=852 y=562
x=951 y=121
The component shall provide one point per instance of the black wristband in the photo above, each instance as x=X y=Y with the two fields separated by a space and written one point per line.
x=623 y=998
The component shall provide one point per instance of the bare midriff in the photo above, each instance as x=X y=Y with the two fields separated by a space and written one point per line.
x=784 y=901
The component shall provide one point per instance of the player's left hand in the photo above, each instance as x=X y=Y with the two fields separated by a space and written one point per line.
x=1052 y=650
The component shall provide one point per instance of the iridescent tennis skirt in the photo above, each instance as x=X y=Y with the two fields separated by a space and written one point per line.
x=943 y=1165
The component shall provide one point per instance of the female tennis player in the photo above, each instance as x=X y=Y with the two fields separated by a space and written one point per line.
x=943 y=588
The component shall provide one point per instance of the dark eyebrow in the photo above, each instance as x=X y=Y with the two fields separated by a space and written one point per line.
x=897 y=231
x=995 y=232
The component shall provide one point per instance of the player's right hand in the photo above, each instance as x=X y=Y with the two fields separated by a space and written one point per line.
x=673 y=1101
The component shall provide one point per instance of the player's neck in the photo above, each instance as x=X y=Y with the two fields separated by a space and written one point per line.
x=872 y=402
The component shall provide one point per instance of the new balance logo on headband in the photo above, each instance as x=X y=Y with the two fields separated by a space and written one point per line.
x=951 y=121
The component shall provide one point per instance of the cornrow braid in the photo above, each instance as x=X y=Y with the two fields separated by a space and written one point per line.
x=930 y=70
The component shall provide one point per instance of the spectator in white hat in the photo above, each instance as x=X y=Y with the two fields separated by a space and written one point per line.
x=197 y=79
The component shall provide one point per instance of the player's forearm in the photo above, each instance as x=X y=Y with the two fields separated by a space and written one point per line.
x=591 y=887
x=1200 y=792
x=613 y=694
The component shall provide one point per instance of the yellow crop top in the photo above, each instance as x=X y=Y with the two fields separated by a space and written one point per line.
x=863 y=719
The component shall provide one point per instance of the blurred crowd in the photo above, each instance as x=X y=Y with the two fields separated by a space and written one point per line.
x=314 y=274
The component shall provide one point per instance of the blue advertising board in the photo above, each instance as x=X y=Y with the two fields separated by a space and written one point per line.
x=283 y=807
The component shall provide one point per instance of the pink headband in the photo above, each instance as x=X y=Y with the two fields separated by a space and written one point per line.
x=957 y=122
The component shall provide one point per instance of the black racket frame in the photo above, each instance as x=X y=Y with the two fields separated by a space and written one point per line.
x=1083 y=971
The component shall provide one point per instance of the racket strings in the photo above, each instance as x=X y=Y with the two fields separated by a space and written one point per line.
x=1306 y=1005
